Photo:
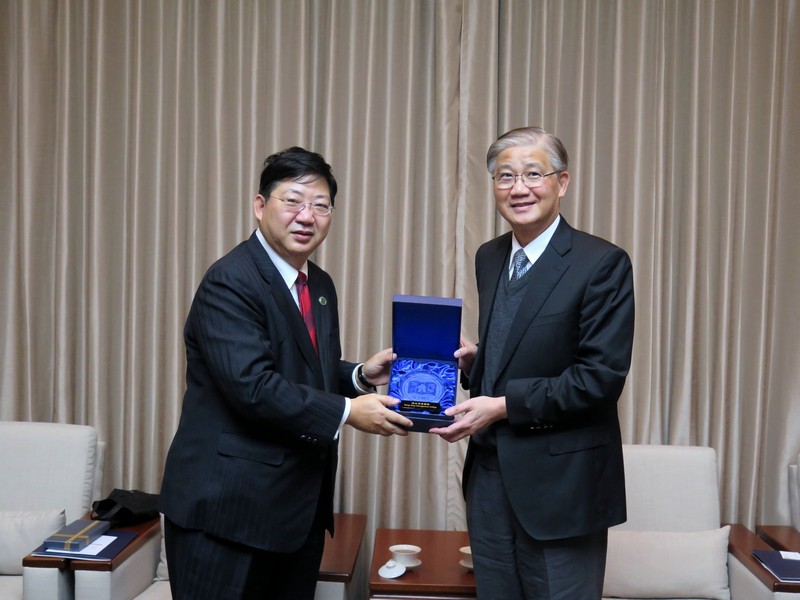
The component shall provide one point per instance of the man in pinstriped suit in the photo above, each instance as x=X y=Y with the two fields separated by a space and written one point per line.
x=248 y=485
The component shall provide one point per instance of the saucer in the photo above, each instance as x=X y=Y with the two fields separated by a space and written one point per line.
x=391 y=570
x=417 y=562
x=465 y=564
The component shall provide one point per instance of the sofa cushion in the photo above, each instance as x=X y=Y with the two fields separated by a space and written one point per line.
x=54 y=466
x=21 y=532
x=667 y=564
x=157 y=591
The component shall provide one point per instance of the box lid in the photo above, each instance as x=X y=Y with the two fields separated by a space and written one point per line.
x=426 y=327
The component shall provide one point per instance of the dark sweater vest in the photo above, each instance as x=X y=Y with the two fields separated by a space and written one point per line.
x=506 y=302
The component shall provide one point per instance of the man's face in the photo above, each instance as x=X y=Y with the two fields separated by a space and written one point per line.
x=294 y=235
x=529 y=211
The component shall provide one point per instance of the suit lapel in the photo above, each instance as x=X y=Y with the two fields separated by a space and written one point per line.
x=323 y=323
x=547 y=271
x=286 y=305
x=543 y=277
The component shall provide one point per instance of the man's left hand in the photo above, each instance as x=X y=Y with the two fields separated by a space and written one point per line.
x=377 y=368
x=471 y=416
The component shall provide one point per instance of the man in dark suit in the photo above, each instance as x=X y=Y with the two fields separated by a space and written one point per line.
x=248 y=485
x=543 y=477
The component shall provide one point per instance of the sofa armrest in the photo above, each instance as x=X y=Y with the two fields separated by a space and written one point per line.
x=144 y=532
x=46 y=578
x=125 y=576
x=744 y=568
x=42 y=583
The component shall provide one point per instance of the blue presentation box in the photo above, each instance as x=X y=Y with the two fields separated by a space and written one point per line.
x=425 y=333
x=77 y=535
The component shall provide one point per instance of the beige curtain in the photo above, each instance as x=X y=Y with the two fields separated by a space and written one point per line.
x=131 y=138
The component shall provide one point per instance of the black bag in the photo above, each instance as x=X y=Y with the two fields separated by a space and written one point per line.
x=126 y=507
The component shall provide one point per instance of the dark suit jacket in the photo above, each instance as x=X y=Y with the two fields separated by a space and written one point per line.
x=563 y=369
x=255 y=452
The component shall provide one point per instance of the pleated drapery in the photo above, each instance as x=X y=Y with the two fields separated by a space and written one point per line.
x=132 y=134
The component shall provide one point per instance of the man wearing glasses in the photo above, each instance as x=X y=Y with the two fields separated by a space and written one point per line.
x=248 y=485
x=543 y=477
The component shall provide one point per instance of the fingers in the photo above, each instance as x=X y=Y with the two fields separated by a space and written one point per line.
x=381 y=358
x=402 y=421
x=386 y=400
x=471 y=416
x=465 y=347
x=465 y=355
x=376 y=368
x=395 y=424
x=399 y=427
x=453 y=433
x=369 y=413
x=458 y=409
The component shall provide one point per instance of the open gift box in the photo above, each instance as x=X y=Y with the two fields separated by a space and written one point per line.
x=425 y=333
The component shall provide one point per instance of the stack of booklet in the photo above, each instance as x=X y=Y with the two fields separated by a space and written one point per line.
x=784 y=565
x=85 y=539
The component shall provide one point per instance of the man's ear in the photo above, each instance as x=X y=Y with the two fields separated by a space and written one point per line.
x=563 y=182
x=258 y=206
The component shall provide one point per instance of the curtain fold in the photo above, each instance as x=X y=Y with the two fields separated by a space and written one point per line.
x=132 y=135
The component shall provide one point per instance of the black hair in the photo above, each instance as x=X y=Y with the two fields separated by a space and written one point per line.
x=295 y=163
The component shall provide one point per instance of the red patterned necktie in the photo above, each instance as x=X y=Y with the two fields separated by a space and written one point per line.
x=305 y=306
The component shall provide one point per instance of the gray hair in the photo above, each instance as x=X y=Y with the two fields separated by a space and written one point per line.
x=529 y=136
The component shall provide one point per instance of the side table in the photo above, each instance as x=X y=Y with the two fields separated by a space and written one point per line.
x=439 y=577
x=780 y=537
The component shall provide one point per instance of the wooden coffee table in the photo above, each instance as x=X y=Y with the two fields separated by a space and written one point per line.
x=439 y=577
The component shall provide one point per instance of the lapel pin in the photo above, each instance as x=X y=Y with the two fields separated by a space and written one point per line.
x=323 y=300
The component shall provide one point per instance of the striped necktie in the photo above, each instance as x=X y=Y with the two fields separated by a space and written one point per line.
x=305 y=307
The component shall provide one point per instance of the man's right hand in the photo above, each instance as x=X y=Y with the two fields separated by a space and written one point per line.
x=369 y=413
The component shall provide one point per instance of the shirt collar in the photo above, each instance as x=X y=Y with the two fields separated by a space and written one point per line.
x=537 y=247
x=287 y=271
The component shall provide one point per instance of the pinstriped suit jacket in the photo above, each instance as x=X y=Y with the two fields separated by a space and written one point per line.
x=563 y=368
x=255 y=452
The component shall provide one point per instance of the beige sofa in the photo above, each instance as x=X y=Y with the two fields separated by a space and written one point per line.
x=673 y=545
x=49 y=475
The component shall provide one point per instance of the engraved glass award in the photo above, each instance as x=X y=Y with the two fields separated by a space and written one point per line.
x=425 y=333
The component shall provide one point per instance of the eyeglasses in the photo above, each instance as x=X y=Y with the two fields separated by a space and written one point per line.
x=295 y=205
x=531 y=179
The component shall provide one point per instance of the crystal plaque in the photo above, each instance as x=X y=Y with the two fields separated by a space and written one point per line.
x=425 y=334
